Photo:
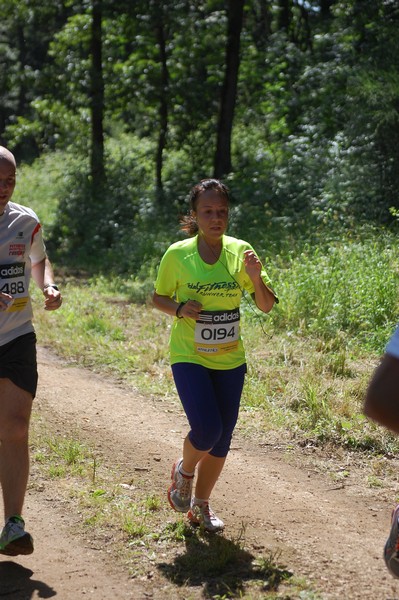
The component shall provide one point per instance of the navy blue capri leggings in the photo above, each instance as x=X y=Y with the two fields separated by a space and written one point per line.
x=211 y=400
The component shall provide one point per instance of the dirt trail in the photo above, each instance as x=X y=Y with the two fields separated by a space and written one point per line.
x=330 y=533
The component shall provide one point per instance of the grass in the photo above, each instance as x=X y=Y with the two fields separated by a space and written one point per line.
x=310 y=386
x=65 y=457
x=345 y=291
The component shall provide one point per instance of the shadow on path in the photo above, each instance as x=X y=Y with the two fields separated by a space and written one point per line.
x=222 y=566
x=16 y=583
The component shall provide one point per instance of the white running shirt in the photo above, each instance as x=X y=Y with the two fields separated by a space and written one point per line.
x=21 y=246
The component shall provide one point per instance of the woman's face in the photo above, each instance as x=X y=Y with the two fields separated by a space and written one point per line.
x=212 y=214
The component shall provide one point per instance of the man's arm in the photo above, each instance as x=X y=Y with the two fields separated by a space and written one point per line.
x=42 y=273
x=382 y=397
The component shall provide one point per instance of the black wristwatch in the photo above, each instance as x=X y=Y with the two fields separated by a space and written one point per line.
x=178 y=309
x=52 y=285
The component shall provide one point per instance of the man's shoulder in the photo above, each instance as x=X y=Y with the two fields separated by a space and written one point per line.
x=15 y=209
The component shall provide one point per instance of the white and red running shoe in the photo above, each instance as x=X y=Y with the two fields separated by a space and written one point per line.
x=202 y=515
x=179 y=492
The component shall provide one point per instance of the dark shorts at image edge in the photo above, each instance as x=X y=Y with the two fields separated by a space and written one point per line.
x=18 y=362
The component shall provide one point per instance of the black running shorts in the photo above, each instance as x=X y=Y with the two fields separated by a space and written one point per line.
x=18 y=362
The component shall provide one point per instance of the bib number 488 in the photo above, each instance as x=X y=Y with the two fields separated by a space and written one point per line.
x=12 y=288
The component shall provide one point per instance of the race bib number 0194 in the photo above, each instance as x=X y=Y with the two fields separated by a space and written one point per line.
x=217 y=332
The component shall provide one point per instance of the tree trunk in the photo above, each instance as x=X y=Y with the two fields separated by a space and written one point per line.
x=284 y=15
x=325 y=8
x=262 y=25
x=97 y=101
x=222 y=164
x=163 y=109
x=21 y=108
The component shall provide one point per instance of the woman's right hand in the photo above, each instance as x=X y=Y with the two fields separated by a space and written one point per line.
x=191 y=310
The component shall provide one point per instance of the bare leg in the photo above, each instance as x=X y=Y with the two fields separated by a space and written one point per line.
x=15 y=410
x=191 y=456
x=209 y=469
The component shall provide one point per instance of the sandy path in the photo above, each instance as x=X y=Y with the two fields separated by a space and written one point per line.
x=331 y=534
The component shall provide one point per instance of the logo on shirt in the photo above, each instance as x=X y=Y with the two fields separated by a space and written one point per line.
x=212 y=287
x=16 y=250
x=10 y=271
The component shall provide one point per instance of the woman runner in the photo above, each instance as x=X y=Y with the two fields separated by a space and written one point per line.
x=200 y=283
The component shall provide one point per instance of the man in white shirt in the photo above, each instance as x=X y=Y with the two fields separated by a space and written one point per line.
x=22 y=256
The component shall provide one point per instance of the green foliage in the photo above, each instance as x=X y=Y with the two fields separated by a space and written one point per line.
x=52 y=126
x=118 y=230
x=27 y=30
x=316 y=117
x=349 y=287
x=40 y=186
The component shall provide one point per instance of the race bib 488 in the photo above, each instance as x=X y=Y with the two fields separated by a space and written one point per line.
x=12 y=281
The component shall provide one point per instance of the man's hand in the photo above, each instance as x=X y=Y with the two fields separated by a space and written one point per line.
x=53 y=298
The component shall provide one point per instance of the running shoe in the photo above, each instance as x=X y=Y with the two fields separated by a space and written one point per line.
x=179 y=492
x=391 y=550
x=14 y=539
x=203 y=515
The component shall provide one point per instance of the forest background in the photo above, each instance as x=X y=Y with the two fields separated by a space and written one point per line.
x=115 y=109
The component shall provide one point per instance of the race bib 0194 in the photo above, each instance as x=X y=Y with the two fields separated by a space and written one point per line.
x=217 y=332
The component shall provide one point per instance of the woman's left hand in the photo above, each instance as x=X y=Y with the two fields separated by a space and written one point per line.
x=252 y=264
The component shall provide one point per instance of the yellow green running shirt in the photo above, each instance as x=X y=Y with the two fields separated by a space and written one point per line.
x=213 y=341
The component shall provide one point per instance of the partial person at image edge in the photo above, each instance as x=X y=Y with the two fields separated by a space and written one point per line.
x=382 y=405
x=22 y=256
x=200 y=283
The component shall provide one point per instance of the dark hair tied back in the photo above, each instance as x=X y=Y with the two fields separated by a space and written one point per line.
x=188 y=222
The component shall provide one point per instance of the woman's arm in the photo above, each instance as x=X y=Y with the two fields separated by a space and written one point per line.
x=190 y=309
x=263 y=296
x=165 y=304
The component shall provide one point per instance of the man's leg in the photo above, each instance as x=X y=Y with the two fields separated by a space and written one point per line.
x=15 y=410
